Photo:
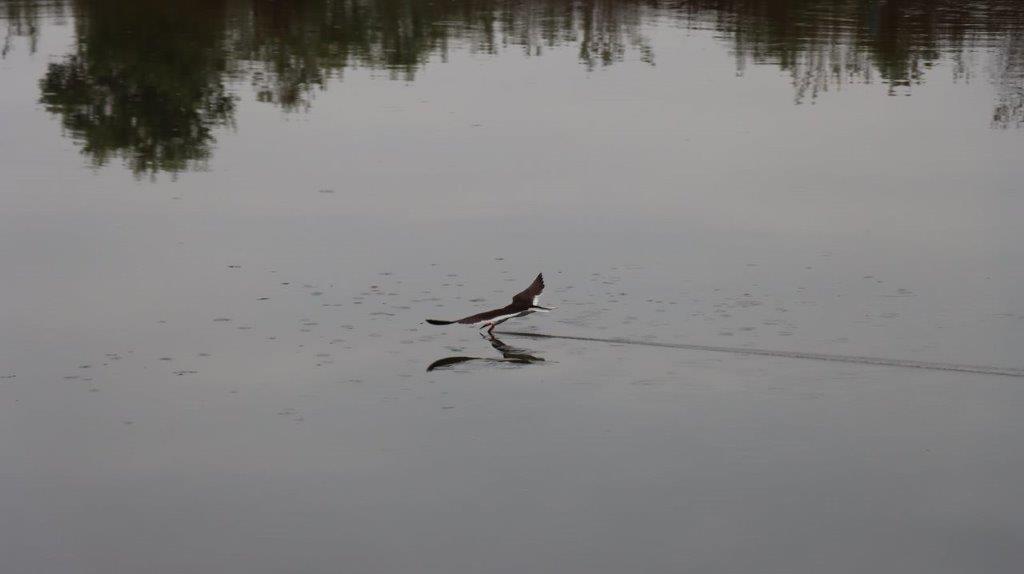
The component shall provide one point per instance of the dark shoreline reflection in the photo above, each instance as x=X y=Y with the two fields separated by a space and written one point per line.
x=146 y=80
x=508 y=355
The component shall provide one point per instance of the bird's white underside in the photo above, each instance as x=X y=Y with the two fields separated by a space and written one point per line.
x=496 y=320
x=502 y=318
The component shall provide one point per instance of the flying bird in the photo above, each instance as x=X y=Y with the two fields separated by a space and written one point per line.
x=522 y=304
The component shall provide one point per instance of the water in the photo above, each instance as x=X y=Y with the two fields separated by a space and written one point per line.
x=223 y=223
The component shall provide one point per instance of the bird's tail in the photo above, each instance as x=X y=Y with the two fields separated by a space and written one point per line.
x=436 y=322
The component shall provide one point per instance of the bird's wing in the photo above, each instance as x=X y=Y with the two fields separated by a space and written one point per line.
x=485 y=316
x=530 y=294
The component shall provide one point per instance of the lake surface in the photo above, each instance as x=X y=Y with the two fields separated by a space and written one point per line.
x=223 y=223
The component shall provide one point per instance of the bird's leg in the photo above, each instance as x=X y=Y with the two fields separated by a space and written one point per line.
x=488 y=335
x=490 y=331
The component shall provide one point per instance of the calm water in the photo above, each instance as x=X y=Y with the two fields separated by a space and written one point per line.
x=222 y=224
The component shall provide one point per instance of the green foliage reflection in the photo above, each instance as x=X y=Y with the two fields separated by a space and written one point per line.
x=146 y=80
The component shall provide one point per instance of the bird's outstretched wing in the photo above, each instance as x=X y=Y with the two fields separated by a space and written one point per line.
x=485 y=316
x=530 y=294
x=474 y=319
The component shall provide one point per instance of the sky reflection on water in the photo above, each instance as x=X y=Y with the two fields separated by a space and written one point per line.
x=212 y=349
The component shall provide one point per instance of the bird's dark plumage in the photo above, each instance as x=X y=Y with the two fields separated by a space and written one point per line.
x=524 y=303
x=529 y=295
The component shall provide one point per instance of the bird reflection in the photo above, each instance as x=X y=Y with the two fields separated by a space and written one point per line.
x=508 y=355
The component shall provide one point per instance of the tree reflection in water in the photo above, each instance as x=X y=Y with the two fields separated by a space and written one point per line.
x=145 y=82
x=146 y=79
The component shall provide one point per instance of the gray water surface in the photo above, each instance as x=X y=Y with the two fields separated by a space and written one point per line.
x=222 y=225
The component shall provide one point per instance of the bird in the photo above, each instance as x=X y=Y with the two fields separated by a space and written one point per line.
x=524 y=303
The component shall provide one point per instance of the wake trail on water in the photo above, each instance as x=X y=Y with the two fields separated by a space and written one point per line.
x=860 y=360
